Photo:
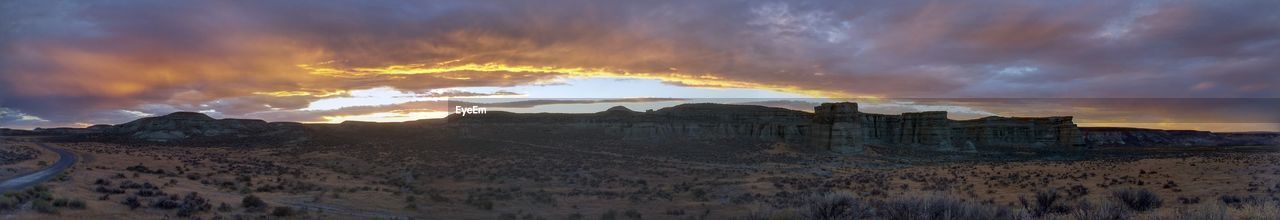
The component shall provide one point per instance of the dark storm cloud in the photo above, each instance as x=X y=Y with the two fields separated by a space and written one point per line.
x=71 y=61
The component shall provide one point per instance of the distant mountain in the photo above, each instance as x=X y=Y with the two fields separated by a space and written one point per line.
x=192 y=126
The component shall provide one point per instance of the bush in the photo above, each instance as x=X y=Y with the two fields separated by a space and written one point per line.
x=283 y=211
x=484 y=204
x=253 y=203
x=1137 y=199
x=609 y=215
x=44 y=206
x=938 y=207
x=77 y=204
x=192 y=203
x=1045 y=203
x=632 y=214
x=1207 y=211
x=8 y=202
x=1230 y=199
x=223 y=207
x=149 y=192
x=1106 y=210
x=132 y=202
x=61 y=202
x=837 y=206
x=166 y=203
x=106 y=190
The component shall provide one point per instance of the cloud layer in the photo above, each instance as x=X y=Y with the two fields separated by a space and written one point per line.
x=72 y=62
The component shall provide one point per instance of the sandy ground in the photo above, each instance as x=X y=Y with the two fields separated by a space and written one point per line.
x=545 y=181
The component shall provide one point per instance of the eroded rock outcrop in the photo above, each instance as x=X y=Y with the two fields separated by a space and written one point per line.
x=840 y=127
x=837 y=127
x=1017 y=131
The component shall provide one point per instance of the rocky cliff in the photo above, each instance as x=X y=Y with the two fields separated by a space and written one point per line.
x=841 y=127
x=837 y=127
x=1018 y=131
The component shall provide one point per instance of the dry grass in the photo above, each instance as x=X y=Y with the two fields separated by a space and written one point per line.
x=480 y=179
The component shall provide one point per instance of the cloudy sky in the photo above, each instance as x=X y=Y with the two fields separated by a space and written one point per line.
x=70 y=63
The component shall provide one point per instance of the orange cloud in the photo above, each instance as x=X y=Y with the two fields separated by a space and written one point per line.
x=446 y=69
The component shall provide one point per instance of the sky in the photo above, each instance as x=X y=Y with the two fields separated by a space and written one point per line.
x=1209 y=65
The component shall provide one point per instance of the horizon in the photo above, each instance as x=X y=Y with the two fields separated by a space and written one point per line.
x=605 y=104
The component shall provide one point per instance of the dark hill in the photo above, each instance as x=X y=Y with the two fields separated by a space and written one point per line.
x=192 y=126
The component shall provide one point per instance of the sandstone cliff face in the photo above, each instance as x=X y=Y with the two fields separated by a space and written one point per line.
x=840 y=127
x=1018 y=131
x=837 y=127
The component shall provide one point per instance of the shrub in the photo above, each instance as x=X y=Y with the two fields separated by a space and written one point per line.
x=1137 y=199
x=77 y=204
x=1207 y=211
x=1046 y=203
x=938 y=207
x=61 y=202
x=1106 y=210
x=771 y=214
x=253 y=203
x=223 y=207
x=8 y=202
x=191 y=204
x=43 y=206
x=1231 y=200
x=632 y=214
x=132 y=202
x=609 y=215
x=283 y=211
x=484 y=204
x=837 y=206
x=166 y=203
x=149 y=192
x=1258 y=209
x=106 y=190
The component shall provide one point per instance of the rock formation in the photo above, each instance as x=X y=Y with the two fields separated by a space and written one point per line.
x=837 y=127
x=1017 y=131
x=840 y=127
